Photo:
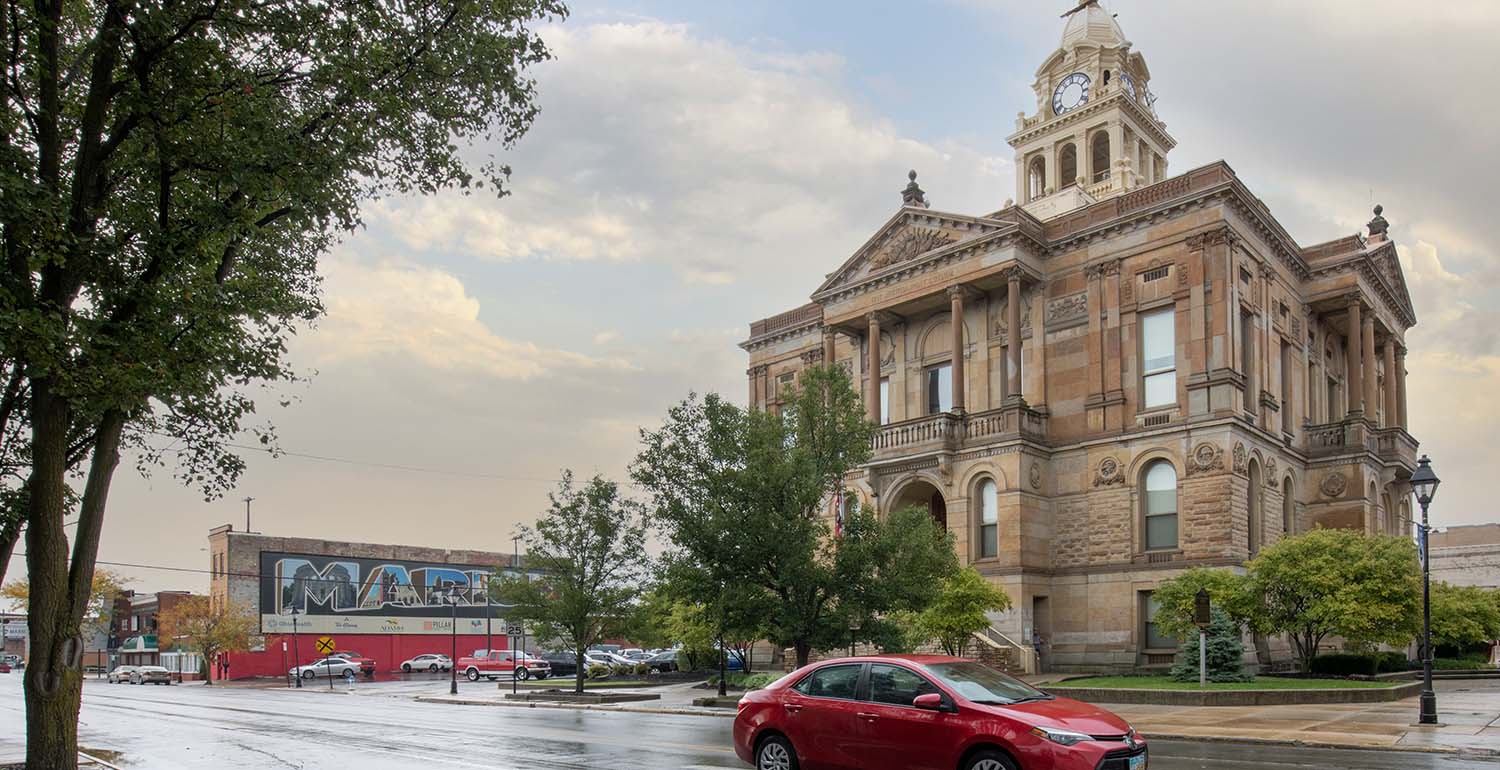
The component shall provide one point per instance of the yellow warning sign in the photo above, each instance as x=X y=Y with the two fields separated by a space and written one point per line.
x=325 y=645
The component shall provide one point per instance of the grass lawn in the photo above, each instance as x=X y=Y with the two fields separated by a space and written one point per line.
x=1262 y=683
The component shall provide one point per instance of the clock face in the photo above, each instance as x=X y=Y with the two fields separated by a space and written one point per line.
x=1128 y=83
x=1070 y=93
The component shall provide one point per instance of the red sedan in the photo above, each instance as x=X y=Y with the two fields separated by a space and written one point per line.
x=925 y=712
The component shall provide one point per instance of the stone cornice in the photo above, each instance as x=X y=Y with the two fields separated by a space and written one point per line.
x=784 y=333
x=1009 y=236
x=1145 y=120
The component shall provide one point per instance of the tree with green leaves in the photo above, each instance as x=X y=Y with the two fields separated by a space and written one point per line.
x=1176 y=598
x=960 y=610
x=1336 y=582
x=741 y=494
x=1225 y=656
x=1464 y=616
x=169 y=175
x=586 y=567
x=209 y=628
x=107 y=586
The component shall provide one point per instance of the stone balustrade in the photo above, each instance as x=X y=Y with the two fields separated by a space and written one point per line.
x=950 y=431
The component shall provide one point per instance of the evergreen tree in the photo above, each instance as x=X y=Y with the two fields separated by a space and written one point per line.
x=1226 y=653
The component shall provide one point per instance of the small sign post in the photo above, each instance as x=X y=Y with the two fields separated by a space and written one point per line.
x=1202 y=619
x=325 y=647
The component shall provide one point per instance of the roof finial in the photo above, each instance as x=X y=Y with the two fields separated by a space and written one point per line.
x=1378 y=226
x=913 y=195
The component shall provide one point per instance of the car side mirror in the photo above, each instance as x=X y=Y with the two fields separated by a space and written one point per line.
x=932 y=702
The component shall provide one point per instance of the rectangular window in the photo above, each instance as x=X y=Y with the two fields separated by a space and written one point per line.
x=885 y=400
x=1161 y=522
x=939 y=388
x=1159 y=358
x=1286 y=387
x=1156 y=273
x=1247 y=358
x=1152 y=638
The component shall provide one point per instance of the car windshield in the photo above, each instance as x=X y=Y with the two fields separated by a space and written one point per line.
x=982 y=684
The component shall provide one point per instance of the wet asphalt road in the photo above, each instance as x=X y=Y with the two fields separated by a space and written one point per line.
x=197 y=728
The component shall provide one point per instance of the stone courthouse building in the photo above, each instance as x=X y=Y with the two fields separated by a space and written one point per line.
x=1122 y=374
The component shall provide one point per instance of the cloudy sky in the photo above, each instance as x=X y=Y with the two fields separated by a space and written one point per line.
x=699 y=165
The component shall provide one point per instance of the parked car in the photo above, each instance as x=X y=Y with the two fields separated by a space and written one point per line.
x=330 y=666
x=925 y=711
x=611 y=659
x=427 y=662
x=596 y=659
x=493 y=664
x=120 y=675
x=150 y=675
x=664 y=662
x=634 y=654
x=4 y=668
x=366 y=665
x=13 y=660
x=563 y=663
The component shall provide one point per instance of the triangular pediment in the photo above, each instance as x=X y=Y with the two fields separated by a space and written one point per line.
x=1388 y=266
x=907 y=237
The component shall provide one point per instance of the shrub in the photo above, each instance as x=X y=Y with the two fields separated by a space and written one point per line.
x=598 y=671
x=1345 y=664
x=1389 y=662
x=621 y=669
x=1459 y=664
x=1226 y=653
x=745 y=681
x=641 y=669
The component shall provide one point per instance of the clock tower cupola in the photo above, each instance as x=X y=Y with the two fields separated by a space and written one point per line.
x=1095 y=133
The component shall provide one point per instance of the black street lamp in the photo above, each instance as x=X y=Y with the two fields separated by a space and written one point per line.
x=296 y=654
x=1425 y=483
x=853 y=629
x=453 y=634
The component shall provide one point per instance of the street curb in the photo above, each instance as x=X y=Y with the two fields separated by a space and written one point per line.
x=1447 y=750
x=574 y=706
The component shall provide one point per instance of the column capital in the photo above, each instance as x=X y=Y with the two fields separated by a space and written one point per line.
x=1354 y=299
x=1103 y=268
x=1217 y=236
x=964 y=291
x=882 y=317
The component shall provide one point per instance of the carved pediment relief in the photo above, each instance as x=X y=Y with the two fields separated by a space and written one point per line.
x=906 y=238
x=907 y=245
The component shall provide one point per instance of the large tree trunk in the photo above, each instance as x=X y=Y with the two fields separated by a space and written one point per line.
x=803 y=650
x=59 y=590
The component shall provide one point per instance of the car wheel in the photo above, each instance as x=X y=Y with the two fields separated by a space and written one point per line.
x=406 y=667
x=432 y=668
x=989 y=759
x=472 y=675
x=522 y=674
x=775 y=753
x=309 y=674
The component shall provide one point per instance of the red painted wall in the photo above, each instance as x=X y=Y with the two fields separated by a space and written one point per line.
x=388 y=650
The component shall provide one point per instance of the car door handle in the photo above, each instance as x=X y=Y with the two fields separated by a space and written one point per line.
x=867 y=716
x=792 y=708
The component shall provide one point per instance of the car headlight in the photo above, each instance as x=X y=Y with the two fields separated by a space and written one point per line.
x=1061 y=737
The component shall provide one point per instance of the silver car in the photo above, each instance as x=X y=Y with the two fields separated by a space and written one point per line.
x=120 y=675
x=326 y=667
x=150 y=675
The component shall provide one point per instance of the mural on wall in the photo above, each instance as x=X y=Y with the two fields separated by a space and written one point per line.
x=355 y=595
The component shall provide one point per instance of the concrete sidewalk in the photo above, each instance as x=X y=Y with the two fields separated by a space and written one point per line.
x=1469 y=712
x=674 y=699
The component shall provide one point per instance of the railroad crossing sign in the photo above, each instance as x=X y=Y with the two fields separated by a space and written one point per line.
x=325 y=645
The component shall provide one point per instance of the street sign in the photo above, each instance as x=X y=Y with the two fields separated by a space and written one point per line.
x=325 y=645
x=1201 y=616
x=513 y=630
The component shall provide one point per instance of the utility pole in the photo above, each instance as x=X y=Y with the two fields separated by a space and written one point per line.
x=247 y=514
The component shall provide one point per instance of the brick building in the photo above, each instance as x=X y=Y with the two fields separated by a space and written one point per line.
x=1467 y=555
x=1116 y=376
x=387 y=602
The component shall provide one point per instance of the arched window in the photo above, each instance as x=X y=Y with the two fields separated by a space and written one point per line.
x=1067 y=167
x=1036 y=178
x=1159 y=505
x=1100 y=156
x=989 y=519
x=1288 y=509
x=1254 y=506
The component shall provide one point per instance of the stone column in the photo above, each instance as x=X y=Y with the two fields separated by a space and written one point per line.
x=828 y=335
x=753 y=373
x=1354 y=388
x=1372 y=383
x=1390 y=384
x=872 y=397
x=956 y=321
x=1013 y=325
x=1401 y=387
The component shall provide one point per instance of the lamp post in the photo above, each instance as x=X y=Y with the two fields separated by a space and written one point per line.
x=1425 y=483
x=853 y=629
x=296 y=654
x=515 y=543
x=453 y=636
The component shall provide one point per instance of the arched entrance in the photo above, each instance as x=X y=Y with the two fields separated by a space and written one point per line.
x=921 y=494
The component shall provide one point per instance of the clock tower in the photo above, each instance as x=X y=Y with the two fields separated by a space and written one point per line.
x=1095 y=133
